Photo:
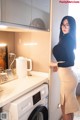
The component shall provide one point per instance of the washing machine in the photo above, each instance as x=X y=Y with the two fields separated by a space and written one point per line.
x=31 y=106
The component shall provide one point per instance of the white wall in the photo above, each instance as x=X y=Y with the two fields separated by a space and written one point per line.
x=59 y=10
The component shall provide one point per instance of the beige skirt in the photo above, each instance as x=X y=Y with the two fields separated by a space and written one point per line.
x=68 y=82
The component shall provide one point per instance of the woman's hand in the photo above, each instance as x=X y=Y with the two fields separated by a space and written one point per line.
x=54 y=66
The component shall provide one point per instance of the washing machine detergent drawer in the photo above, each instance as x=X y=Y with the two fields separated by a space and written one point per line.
x=21 y=108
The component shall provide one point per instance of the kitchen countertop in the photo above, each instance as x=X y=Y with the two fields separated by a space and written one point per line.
x=16 y=88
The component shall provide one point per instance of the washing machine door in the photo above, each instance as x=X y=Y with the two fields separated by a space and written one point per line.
x=39 y=113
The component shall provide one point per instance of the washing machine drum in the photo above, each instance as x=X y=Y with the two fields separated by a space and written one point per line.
x=39 y=113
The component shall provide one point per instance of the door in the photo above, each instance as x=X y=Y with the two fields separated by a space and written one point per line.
x=39 y=113
x=16 y=11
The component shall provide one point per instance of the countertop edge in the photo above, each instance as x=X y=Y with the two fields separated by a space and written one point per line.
x=3 y=103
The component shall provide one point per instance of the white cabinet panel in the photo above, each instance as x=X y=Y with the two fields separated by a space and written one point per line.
x=41 y=14
x=32 y=13
x=16 y=11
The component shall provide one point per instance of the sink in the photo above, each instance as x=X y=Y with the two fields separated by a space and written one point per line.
x=3 y=77
x=7 y=76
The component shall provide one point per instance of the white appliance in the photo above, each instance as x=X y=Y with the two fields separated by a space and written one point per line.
x=22 y=65
x=31 y=106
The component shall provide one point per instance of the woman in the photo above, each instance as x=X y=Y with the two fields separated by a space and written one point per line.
x=64 y=54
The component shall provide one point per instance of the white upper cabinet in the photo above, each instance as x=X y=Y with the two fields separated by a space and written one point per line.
x=31 y=13
x=41 y=14
x=16 y=11
x=0 y=10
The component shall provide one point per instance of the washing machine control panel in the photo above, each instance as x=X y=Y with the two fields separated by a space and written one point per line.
x=36 y=98
x=42 y=93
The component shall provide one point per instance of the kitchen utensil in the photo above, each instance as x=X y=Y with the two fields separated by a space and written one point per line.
x=21 y=66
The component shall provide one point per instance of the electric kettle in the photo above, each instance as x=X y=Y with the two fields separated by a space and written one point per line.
x=21 y=66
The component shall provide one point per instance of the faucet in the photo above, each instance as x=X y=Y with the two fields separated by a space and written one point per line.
x=14 y=56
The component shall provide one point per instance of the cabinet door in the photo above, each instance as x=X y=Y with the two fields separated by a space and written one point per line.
x=16 y=11
x=41 y=14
